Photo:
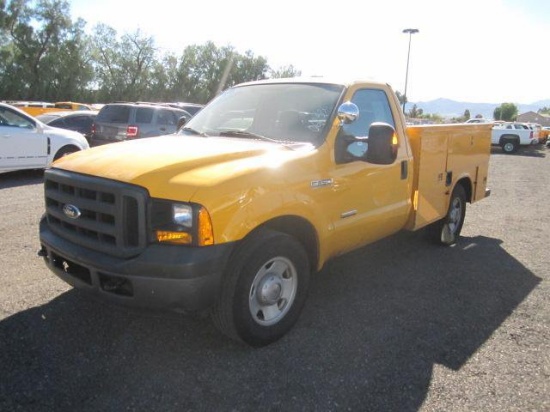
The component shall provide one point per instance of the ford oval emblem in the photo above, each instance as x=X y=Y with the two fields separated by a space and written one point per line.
x=71 y=211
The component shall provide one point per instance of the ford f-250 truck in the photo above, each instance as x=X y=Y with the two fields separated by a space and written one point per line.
x=259 y=190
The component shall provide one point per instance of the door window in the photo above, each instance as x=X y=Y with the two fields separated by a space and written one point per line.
x=10 y=118
x=166 y=118
x=373 y=107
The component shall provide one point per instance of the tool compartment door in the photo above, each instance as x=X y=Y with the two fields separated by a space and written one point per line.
x=469 y=152
x=443 y=155
x=430 y=197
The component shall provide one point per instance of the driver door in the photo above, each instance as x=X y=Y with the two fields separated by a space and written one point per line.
x=22 y=144
x=371 y=200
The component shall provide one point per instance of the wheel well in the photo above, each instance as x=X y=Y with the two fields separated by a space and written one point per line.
x=70 y=148
x=508 y=137
x=300 y=229
x=467 y=185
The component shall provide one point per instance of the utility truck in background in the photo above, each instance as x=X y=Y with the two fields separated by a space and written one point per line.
x=258 y=191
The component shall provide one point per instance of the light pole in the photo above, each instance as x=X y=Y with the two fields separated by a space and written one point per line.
x=410 y=32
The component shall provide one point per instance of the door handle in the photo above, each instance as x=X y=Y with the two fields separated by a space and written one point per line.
x=404 y=169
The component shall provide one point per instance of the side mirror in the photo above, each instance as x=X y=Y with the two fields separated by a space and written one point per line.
x=348 y=112
x=382 y=148
x=181 y=122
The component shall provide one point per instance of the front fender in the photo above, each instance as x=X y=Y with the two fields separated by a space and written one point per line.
x=255 y=207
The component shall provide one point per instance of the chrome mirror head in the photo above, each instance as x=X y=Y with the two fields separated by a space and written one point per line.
x=348 y=112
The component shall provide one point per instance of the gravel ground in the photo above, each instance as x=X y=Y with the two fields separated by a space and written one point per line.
x=400 y=325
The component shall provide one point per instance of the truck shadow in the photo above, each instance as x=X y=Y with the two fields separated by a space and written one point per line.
x=21 y=178
x=526 y=151
x=376 y=323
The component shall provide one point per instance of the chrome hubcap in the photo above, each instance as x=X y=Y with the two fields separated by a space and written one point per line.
x=451 y=227
x=273 y=291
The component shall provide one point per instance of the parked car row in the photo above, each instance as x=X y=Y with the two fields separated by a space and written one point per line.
x=120 y=121
x=34 y=142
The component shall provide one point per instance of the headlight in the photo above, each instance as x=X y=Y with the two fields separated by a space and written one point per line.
x=182 y=214
x=181 y=223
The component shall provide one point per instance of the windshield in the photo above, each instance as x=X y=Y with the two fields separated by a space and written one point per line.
x=282 y=112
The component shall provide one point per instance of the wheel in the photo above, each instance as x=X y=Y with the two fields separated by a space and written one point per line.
x=264 y=289
x=510 y=146
x=447 y=230
x=64 y=151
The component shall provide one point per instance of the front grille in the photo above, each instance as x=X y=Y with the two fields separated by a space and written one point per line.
x=97 y=213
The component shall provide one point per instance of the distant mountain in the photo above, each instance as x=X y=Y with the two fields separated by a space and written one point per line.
x=451 y=108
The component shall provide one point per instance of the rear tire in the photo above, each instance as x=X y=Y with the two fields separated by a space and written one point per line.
x=264 y=289
x=509 y=146
x=447 y=230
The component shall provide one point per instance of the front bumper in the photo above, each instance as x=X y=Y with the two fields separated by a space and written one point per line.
x=161 y=277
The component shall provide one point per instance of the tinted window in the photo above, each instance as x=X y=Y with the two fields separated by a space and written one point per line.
x=47 y=118
x=166 y=117
x=144 y=115
x=80 y=122
x=114 y=114
x=64 y=106
x=57 y=123
x=191 y=109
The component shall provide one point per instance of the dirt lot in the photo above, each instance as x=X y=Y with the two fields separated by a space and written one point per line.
x=399 y=325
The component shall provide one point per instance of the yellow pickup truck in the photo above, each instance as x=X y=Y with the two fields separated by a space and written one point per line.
x=254 y=194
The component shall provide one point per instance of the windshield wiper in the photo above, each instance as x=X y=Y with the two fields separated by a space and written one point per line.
x=245 y=134
x=193 y=131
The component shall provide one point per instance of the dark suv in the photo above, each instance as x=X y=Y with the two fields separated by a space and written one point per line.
x=117 y=122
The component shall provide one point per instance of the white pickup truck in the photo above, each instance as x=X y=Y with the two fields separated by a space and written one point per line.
x=510 y=136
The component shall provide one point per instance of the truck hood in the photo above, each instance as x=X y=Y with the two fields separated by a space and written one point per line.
x=191 y=163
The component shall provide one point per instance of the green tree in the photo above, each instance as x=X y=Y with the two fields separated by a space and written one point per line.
x=205 y=70
x=248 y=68
x=41 y=51
x=164 y=80
x=415 y=112
x=123 y=67
x=401 y=97
x=544 y=110
x=284 y=72
x=506 y=111
x=46 y=56
x=466 y=115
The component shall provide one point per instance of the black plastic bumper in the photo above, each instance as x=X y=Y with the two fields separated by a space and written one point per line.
x=161 y=277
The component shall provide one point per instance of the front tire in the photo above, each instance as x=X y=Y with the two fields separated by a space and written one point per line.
x=264 y=290
x=447 y=230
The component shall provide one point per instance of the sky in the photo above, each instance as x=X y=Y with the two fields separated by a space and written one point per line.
x=481 y=51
